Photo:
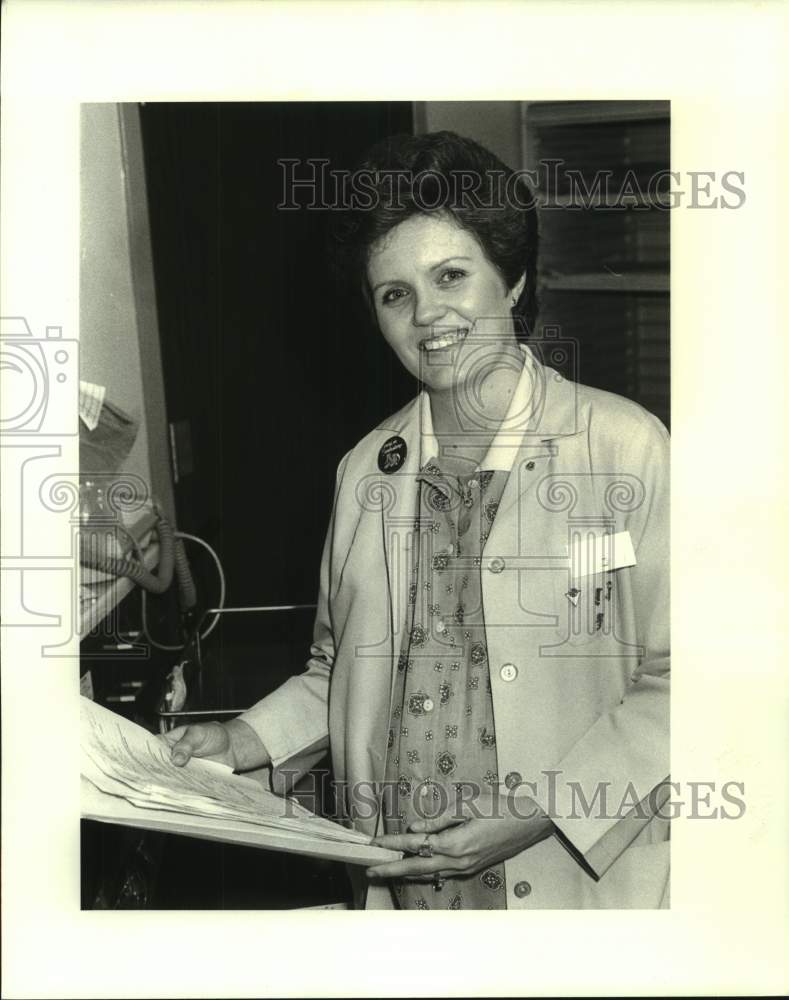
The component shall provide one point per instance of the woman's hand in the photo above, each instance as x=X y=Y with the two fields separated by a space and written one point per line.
x=233 y=743
x=468 y=837
x=209 y=740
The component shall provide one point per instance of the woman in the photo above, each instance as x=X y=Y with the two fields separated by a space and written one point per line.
x=490 y=655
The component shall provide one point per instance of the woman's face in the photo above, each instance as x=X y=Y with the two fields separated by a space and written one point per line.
x=432 y=284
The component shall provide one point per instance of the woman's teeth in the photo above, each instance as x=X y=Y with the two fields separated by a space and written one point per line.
x=444 y=340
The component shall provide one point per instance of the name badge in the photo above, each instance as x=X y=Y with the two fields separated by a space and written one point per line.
x=594 y=554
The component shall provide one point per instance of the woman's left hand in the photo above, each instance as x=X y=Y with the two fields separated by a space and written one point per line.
x=466 y=838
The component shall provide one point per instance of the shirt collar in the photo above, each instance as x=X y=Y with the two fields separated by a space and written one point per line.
x=509 y=437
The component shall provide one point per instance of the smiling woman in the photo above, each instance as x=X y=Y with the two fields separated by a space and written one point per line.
x=432 y=284
x=490 y=652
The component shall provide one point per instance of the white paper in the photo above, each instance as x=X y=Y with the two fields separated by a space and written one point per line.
x=599 y=553
x=122 y=759
x=91 y=400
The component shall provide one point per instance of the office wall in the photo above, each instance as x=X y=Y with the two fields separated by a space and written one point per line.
x=494 y=124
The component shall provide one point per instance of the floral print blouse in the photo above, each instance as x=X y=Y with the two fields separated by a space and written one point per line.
x=442 y=733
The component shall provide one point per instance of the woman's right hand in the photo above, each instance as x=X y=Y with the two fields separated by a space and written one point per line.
x=210 y=740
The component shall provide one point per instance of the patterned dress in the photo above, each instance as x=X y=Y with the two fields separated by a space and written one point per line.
x=442 y=732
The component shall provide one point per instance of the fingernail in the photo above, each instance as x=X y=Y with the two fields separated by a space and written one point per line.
x=179 y=758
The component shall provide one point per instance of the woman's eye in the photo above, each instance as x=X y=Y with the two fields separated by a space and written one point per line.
x=450 y=275
x=392 y=295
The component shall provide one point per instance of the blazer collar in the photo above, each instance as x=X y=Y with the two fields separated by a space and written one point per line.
x=554 y=409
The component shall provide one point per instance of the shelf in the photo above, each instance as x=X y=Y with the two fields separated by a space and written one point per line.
x=632 y=282
x=550 y=202
x=549 y=113
x=604 y=279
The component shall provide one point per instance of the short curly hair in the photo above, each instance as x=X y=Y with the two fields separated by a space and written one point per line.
x=406 y=175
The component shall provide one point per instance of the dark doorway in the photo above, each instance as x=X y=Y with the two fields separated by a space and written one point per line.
x=270 y=375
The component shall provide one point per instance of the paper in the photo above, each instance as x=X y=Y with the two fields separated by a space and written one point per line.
x=119 y=811
x=123 y=760
x=86 y=685
x=597 y=553
x=91 y=400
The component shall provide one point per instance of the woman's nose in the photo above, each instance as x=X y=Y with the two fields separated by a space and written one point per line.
x=428 y=308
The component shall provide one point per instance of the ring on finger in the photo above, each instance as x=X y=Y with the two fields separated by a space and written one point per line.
x=425 y=848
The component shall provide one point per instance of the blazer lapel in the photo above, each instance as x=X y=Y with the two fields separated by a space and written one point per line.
x=398 y=493
x=553 y=417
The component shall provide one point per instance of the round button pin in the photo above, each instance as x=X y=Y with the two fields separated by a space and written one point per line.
x=508 y=672
x=392 y=455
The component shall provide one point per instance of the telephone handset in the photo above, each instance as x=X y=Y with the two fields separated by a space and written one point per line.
x=102 y=549
x=109 y=543
x=94 y=553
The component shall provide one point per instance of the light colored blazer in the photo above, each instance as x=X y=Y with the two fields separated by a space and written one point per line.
x=581 y=703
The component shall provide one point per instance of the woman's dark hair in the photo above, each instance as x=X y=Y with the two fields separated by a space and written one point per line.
x=406 y=175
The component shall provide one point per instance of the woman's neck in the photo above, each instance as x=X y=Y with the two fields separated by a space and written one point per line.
x=467 y=416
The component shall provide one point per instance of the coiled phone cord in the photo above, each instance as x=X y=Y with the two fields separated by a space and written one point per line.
x=220 y=604
x=173 y=559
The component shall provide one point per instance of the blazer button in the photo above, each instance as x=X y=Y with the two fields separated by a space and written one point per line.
x=513 y=779
x=522 y=889
x=496 y=565
x=508 y=672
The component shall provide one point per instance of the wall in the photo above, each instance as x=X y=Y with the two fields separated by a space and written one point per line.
x=119 y=345
x=494 y=124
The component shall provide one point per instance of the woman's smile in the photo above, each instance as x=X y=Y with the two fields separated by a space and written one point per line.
x=443 y=340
